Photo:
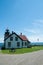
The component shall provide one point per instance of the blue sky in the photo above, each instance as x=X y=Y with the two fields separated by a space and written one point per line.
x=24 y=16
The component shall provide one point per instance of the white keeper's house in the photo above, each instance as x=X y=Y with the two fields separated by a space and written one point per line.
x=13 y=40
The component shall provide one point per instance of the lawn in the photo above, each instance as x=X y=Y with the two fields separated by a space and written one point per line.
x=22 y=50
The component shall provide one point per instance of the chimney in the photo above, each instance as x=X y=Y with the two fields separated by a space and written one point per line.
x=12 y=32
x=20 y=33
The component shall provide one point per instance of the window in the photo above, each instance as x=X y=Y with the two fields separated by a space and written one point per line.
x=18 y=43
x=11 y=38
x=9 y=44
x=25 y=43
x=22 y=43
x=16 y=38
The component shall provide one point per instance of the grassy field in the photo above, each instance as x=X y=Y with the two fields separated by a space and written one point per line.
x=23 y=50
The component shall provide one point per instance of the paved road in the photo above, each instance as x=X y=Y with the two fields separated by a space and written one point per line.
x=33 y=58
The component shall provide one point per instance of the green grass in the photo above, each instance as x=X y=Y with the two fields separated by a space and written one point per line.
x=23 y=50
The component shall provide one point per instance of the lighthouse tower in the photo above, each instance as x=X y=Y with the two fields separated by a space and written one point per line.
x=7 y=33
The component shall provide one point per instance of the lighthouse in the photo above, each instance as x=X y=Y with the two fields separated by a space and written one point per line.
x=7 y=33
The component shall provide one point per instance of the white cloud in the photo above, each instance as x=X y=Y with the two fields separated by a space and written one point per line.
x=36 y=30
x=37 y=23
x=1 y=40
x=36 y=34
x=33 y=31
x=29 y=30
x=34 y=38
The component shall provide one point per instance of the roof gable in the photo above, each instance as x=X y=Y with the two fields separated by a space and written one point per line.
x=11 y=35
x=22 y=37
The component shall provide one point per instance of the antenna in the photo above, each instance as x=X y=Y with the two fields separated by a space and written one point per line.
x=38 y=39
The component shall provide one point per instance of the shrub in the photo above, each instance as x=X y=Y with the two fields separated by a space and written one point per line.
x=2 y=48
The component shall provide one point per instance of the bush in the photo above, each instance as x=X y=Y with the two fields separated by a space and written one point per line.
x=29 y=46
x=12 y=50
x=3 y=48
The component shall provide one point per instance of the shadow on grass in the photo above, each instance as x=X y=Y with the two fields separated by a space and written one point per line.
x=22 y=50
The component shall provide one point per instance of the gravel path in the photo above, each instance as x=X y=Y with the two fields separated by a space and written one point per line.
x=33 y=58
